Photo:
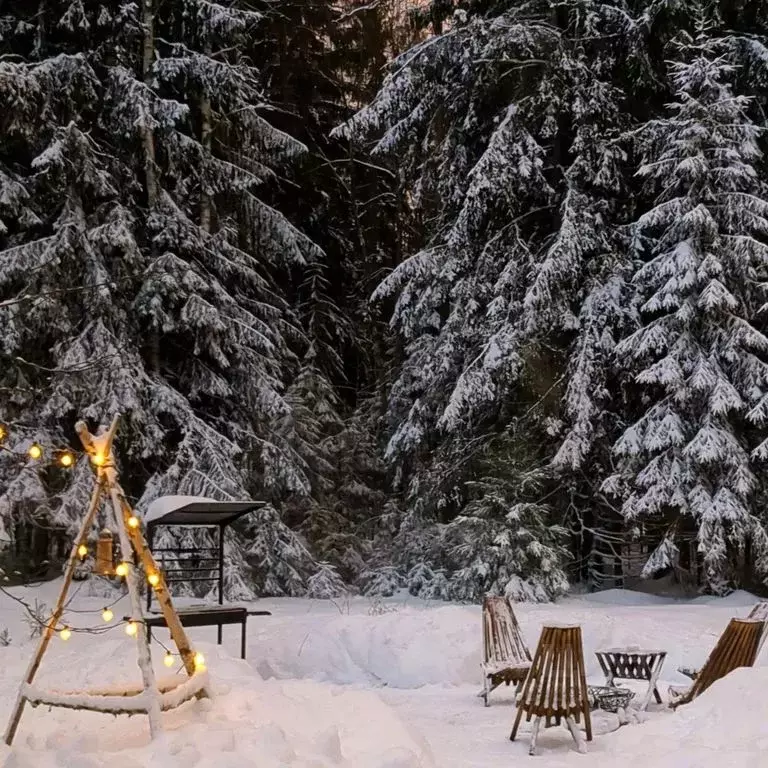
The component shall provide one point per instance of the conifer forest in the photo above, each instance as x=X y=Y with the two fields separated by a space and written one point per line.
x=474 y=293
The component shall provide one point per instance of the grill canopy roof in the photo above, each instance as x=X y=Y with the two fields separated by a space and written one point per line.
x=197 y=510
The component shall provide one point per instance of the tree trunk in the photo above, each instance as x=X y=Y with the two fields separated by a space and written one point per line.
x=148 y=140
x=148 y=144
x=206 y=129
x=40 y=33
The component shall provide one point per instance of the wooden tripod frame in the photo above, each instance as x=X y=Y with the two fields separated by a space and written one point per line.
x=150 y=699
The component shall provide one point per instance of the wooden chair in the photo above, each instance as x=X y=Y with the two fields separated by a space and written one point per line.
x=758 y=612
x=737 y=647
x=506 y=658
x=556 y=686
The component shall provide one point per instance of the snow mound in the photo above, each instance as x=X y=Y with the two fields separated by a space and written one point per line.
x=626 y=597
x=415 y=644
x=726 y=725
x=739 y=598
x=250 y=722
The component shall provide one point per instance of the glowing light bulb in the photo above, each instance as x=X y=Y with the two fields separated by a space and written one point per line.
x=133 y=522
x=107 y=615
x=66 y=459
x=98 y=459
x=199 y=661
x=3 y=432
x=154 y=579
x=168 y=660
x=131 y=628
x=65 y=633
x=122 y=569
x=82 y=551
x=35 y=451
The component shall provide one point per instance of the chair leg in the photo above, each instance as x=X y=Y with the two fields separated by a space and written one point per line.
x=516 y=725
x=571 y=725
x=534 y=736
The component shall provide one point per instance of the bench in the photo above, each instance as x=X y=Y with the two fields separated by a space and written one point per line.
x=208 y=617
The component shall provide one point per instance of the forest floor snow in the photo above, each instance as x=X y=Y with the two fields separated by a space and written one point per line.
x=391 y=683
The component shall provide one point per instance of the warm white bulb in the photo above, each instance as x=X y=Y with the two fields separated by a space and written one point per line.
x=153 y=579
x=199 y=660
x=82 y=550
x=107 y=614
x=35 y=451
x=168 y=660
x=98 y=459
x=133 y=522
x=122 y=569
x=65 y=633
x=131 y=628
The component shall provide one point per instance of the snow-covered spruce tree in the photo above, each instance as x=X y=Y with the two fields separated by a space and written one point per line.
x=321 y=59
x=502 y=541
x=453 y=296
x=482 y=120
x=701 y=375
x=282 y=563
x=127 y=187
x=63 y=224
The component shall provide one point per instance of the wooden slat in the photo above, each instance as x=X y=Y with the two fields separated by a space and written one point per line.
x=582 y=704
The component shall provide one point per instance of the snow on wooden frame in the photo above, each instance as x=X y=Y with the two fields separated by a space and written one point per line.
x=116 y=701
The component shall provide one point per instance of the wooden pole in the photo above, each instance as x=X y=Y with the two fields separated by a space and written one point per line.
x=144 y=656
x=178 y=635
x=50 y=628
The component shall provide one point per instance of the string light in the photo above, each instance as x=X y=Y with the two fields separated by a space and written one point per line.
x=98 y=459
x=82 y=551
x=122 y=569
x=65 y=633
x=199 y=662
x=133 y=522
x=131 y=628
x=107 y=615
x=64 y=457
x=154 y=579
x=168 y=660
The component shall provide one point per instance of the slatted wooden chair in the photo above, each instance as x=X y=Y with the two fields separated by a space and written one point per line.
x=758 y=612
x=506 y=658
x=737 y=647
x=556 y=686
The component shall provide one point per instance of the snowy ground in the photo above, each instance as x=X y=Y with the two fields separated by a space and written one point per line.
x=358 y=684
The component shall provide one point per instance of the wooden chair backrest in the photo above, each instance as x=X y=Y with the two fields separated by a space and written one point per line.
x=760 y=611
x=737 y=647
x=502 y=638
x=556 y=686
